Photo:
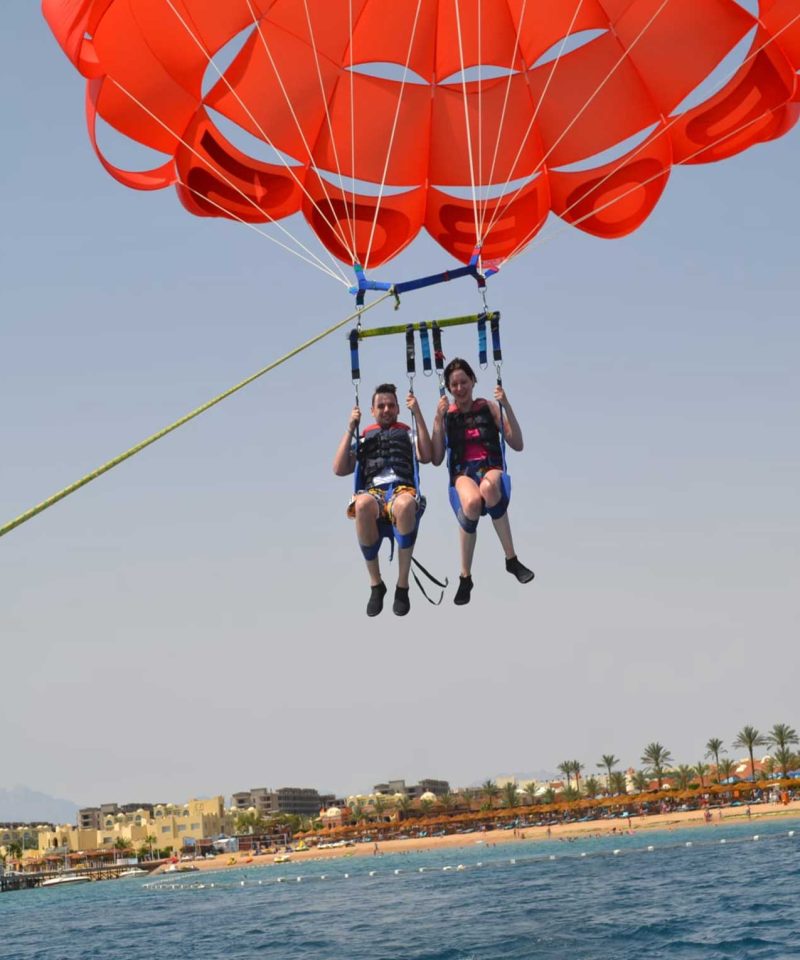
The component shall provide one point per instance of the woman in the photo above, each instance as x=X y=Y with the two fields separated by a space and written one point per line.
x=469 y=429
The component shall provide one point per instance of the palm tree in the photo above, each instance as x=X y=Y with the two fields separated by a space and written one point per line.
x=403 y=804
x=566 y=768
x=657 y=758
x=617 y=782
x=749 y=738
x=379 y=805
x=577 y=766
x=714 y=748
x=725 y=769
x=426 y=805
x=510 y=797
x=490 y=790
x=530 y=792
x=548 y=795
x=609 y=761
x=641 y=781
x=151 y=841
x=591 y=787
x=357 y=811
x=249 y=821
x=683 y=776
x=702 y=770
x=782 y=736
x=448 y=802
x=786 y=760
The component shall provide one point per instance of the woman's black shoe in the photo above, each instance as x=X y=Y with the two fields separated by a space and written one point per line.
x=520 y=571
x=463 y=592
x=376 y=595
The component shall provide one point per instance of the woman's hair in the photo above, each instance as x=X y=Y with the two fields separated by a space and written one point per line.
x=458 y=364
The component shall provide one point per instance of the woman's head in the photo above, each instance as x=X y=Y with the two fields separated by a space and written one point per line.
x=459 y=373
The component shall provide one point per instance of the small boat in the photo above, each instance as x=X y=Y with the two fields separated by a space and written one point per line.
x=65 y=880
x=132 y=872
x=282 y=858
x=181 y=868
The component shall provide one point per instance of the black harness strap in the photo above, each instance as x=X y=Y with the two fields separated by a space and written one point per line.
x=433 y=579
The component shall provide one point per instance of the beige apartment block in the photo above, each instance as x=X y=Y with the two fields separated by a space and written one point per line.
x=170 y=826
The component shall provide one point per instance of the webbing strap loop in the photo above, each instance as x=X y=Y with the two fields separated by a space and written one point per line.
x=425 y=344
x=411 y=363
x=438 y=355
x=483 y=361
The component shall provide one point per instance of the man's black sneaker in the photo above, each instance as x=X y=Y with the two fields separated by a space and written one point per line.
x=463 y=592
x=401 y=604
x=520 y=571
x=376 y=595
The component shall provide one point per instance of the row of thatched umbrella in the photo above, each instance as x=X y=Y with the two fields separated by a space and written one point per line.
x=508 y=814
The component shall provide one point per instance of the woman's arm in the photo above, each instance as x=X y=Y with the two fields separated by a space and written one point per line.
x=437 y=436
x=513 y=431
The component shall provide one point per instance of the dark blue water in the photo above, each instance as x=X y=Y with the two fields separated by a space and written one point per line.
x=738 y=899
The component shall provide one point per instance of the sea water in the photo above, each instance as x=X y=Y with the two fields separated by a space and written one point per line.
x=713 y=892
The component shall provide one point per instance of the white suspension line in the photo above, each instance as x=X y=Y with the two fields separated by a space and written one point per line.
x=230 y=183
x=631 y=156
x=535 y=115
x=480 y=103
x=334 y=228
x=467 y=123
x=498 y=213
x=351 y=26
x=246 y=109
x=392 y=133
x=257 y=229
x=323 y=94
x=661 y=173
x=515 y=51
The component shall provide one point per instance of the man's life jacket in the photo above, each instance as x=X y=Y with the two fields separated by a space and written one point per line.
x=480 y=422
x=385 y=456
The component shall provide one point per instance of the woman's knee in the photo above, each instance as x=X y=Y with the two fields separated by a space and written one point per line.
x=491 y=489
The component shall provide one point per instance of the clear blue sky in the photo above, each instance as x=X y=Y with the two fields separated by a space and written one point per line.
x=193 y=622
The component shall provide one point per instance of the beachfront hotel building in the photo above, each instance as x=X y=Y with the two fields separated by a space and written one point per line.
x=304 y=801
x=162 y=825
x=393 y=787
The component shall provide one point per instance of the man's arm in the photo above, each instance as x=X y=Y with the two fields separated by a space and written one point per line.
x=344 y=461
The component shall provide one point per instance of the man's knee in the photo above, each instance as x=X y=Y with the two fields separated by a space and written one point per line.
x=366 y=508
x=404 y=510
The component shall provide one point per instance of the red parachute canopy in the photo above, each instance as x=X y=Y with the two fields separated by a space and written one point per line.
x=386 y=111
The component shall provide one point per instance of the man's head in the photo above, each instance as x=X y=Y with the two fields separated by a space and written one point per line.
x=385 y=407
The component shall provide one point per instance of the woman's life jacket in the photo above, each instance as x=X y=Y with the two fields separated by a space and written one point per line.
x=469 y=433
x=385 y=456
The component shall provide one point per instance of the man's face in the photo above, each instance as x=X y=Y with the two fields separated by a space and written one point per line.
x=385 y=409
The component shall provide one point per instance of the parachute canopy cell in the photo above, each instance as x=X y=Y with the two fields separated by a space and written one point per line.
x=471 y=119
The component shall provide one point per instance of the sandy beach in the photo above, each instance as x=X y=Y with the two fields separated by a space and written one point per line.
x=667 y=821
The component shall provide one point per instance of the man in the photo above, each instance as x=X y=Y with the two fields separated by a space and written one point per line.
x=385 y=461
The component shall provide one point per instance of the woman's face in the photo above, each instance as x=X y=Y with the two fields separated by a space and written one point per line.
x=460 y=386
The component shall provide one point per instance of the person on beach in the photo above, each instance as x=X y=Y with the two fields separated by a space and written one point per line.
x=385 y=458
x=469 y=428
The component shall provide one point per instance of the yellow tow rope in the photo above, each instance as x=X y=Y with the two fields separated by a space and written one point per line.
x=40 y=507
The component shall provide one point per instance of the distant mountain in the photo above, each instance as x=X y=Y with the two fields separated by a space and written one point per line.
x=29 y=806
